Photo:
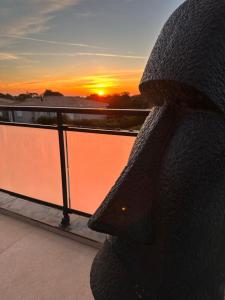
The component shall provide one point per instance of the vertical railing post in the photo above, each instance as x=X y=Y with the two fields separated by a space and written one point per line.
x=13 y=115
x=66 y=219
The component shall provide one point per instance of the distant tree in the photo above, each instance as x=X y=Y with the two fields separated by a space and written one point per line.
x=34 y=95
x=52 y=93
x=6 y=96
x=96 y=97
x=139 y=102
x=22 y=97
x=122 y=101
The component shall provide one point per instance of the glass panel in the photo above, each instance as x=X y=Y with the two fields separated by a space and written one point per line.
x=4 y=116
x=95 y=162
x=114 y=122
x=30 y=163
x=33 y=117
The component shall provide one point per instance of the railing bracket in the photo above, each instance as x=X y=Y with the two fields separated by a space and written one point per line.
x=65 y=221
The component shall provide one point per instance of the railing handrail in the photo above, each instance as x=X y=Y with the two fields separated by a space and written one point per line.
x=94 y=111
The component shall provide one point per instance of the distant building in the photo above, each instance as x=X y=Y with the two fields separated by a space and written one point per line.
x=5 y=115
x=52 y=101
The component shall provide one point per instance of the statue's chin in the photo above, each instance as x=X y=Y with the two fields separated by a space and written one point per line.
x=109 y=280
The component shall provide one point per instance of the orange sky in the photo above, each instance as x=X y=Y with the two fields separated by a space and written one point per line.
x=101 y=83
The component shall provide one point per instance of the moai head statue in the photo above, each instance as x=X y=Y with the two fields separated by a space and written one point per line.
x=165 y=215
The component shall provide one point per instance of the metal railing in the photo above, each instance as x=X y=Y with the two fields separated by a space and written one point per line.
x=61 y=128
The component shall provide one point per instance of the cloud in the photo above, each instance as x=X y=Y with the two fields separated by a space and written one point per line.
x=50 y=41
x=112 y=79
x=21 y=17
x=98 y=54
x=87 y=14
x=8 y=56
x=111 y=55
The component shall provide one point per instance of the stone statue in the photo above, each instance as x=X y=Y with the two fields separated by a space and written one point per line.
x=165 y=215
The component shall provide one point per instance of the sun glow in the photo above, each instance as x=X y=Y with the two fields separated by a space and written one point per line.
x=101 y=84
x=77 y=84
x=101 y=93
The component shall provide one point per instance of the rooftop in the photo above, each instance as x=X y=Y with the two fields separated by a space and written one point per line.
x=56 y=101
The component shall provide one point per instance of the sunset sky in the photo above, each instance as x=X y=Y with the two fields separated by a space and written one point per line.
x=77 y=47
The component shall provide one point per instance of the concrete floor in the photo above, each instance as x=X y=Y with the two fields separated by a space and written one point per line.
x=39 y=265
x=49 y=216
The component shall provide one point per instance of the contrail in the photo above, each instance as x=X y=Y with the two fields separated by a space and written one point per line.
x=82 y=54
x=50 y=42
x=111 y=55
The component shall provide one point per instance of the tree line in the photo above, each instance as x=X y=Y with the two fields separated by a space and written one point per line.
x=24 y=96
x=120 y=101
x=123 y=100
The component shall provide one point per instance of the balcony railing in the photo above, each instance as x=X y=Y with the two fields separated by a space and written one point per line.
x=49 y=156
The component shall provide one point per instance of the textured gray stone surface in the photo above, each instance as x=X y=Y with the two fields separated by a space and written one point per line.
x=189 y=53
x=165 y=213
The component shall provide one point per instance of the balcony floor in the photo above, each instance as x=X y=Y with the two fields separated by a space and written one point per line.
x=41 y=265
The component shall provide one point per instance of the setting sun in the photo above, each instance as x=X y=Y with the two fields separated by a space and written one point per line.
x=101 y=93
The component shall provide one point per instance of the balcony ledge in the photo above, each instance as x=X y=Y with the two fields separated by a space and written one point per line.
x=49 y=218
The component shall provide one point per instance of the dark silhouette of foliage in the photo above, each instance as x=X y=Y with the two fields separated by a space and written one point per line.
x=22 y=97
x=48 y=93
x=122 y=101
x=6 y=96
